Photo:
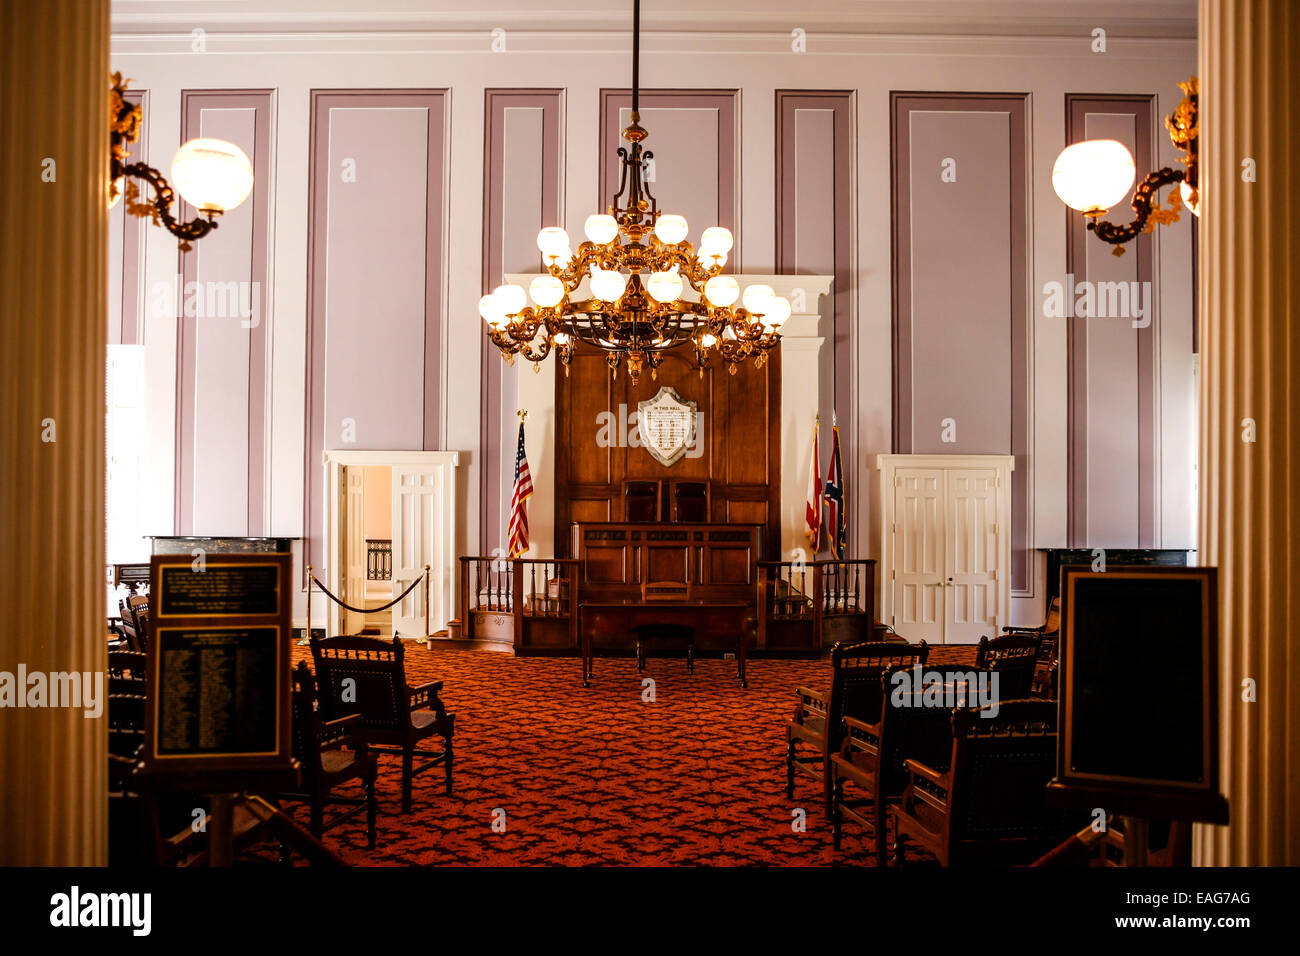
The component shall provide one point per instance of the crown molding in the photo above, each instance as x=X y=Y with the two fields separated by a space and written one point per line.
x=1141 y=19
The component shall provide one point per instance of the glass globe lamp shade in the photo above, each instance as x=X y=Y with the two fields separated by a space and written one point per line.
x=117 y=188
x=607 y=285
x=547 y=291
x=488 y=308
x=212 y=175
x=777 y=313
x=1094 y=175
x=664 y=286
x=722 y=291
x=758 y=298
x=561 y=338
x=708 y=340
x=553 y=242
x=600 y=228
x=671 y=229
x=511 y=299
x=715 y=242
x=1191 y=198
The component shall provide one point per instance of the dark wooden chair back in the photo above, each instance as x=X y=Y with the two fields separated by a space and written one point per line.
x=641 y=501
x=691 y=501
x=366 y=676
x=857 y=688
x=136 y=611
x=1014 y=658
x=1001 y=766
x=909 y=733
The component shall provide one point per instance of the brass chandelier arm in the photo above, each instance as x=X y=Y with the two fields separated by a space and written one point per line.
x=1142 y=207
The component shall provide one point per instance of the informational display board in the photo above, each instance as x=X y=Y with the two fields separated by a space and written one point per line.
x=219 y=692
x=1139 y=692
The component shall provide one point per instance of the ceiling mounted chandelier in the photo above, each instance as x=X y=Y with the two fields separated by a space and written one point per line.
x=637 y=263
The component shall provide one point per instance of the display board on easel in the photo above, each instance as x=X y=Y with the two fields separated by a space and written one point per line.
x=1139 y=693
x=220 y=705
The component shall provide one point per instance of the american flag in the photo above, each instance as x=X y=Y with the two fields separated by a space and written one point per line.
x=813 y=505
x=519 y=500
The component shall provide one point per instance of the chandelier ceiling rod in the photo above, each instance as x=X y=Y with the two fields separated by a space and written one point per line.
x=636 y=59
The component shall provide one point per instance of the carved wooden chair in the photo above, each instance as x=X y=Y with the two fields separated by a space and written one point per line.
x=1044 y=681
x=1014 y=658
x=329 y=755
x=132 y=625
x=367 y=676
x=871 y=759
x=855 y=691
x=988 y=805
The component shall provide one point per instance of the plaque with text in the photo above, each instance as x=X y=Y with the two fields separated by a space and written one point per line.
x=219 y=704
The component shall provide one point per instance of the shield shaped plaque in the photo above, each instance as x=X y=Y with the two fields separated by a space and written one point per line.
x=667 y=425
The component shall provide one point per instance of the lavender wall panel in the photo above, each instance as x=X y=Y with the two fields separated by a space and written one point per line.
x=521 y=193
x=1111 y=471
x=961 y=293
x=814 y=230
x=222 y=334
x=374 y=278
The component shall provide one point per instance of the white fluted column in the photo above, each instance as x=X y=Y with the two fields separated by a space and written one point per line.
x=53 y=332
x=1250 y=413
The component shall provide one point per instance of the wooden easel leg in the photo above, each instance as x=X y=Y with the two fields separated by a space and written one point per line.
x=221 y=829
x=1137 y=840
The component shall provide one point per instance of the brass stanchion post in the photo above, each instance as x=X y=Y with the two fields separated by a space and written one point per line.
x=427 y=635
x=306 y=635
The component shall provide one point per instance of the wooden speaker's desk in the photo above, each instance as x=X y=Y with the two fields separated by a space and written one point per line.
x=616 y=619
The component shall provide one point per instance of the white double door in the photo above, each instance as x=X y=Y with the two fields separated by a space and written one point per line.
x=946 y=549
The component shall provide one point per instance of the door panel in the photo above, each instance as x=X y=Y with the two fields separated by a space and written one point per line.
x=972 y=556
x=918 y=586
x=417 y=526
x=354 y=549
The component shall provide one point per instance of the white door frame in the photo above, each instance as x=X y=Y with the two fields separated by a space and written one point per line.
x=335 y=462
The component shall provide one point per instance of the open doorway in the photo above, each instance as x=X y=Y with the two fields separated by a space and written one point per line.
x=372 y=559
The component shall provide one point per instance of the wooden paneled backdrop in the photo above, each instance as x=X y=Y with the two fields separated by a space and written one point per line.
x=741 y=443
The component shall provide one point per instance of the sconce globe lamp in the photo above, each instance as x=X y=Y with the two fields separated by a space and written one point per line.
x=212 y=175
x=1094 y=175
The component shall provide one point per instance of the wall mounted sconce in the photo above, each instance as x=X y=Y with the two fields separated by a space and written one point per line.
x=212 y=175
x=1095 y=174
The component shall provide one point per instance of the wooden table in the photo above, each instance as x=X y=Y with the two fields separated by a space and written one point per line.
x=615 y=619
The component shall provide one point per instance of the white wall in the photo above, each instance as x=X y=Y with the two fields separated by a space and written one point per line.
x=582 y=63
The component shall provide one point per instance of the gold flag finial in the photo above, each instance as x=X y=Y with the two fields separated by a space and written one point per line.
x=522 y=415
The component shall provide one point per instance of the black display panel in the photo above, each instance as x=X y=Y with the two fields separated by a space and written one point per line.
x=219 y=589
x=217 y=691
x=1137 y=693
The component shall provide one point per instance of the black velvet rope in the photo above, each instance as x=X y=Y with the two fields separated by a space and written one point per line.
x=364 y=610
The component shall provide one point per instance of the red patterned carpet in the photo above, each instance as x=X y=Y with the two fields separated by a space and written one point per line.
x=599 y=776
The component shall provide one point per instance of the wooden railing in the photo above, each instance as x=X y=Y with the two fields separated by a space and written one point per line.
x=528 y=591
x=831 y=599
x=379 y=559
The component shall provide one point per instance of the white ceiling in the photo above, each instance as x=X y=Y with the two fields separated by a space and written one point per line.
x=1120 y=18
